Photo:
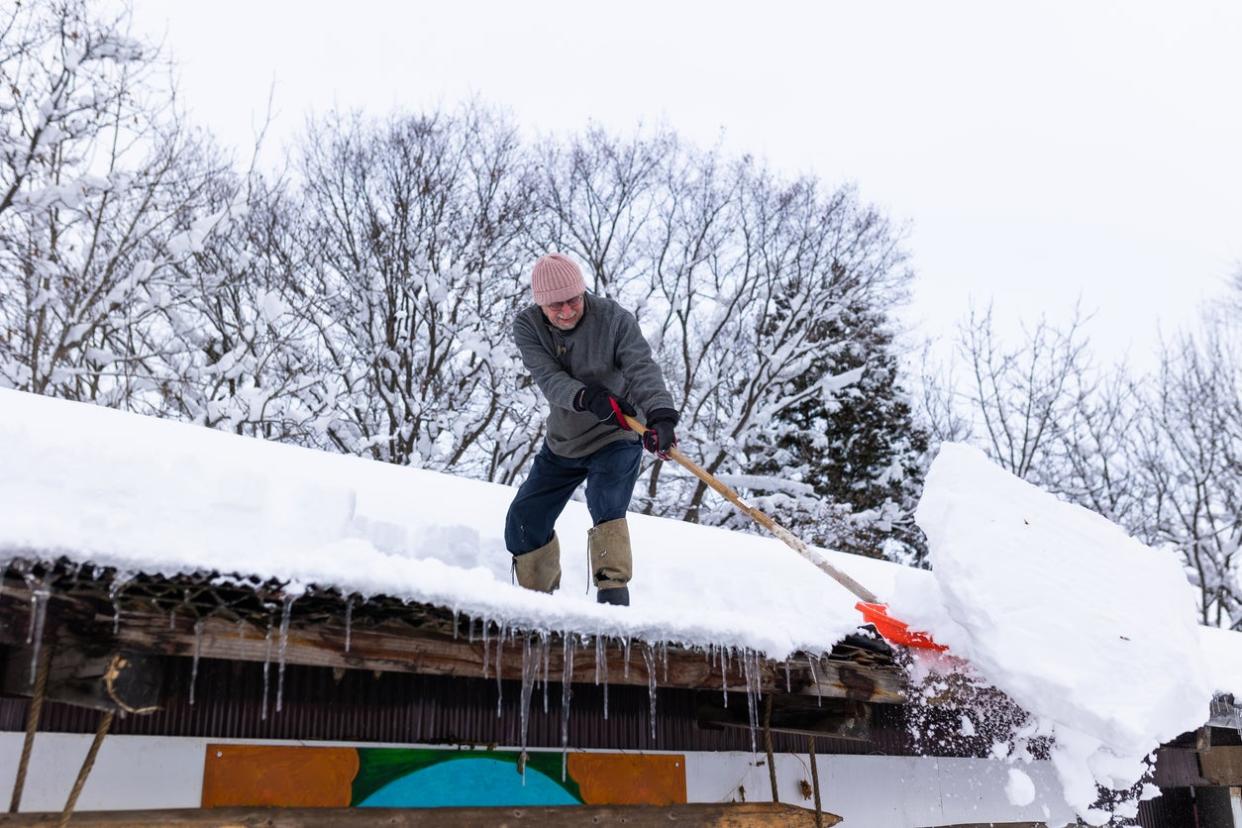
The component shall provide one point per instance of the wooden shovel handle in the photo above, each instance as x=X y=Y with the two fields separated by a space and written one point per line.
x=859 y=591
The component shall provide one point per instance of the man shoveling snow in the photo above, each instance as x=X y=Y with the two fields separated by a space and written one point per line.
x=590 y=360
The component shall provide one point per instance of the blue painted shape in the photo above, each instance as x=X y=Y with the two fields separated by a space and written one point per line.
x=469 y=782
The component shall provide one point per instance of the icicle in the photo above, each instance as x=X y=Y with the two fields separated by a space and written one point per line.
x=530 y=669
x=486 y=651
x=599 y=655
x=119 y=582
x=752 y=714
x=649 y=660
x=34 y=609
x=627 y=641
x=788 y=680
x=724 y=677
x=605 y=662
x=267 y=663
x=38 y=619
x=664 y=658
x=454 y=623
x=546 y=645
x=470 y=628
x=567 y=674
x=756 y=678
x=500 y=643
x=198 y=649
x=284 y=645
x=349 y=622
x=819 y=696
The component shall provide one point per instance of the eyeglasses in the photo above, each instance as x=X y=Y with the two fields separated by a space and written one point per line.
x=557 y=307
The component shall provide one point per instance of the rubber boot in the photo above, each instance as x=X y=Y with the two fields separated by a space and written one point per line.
x=611 y=561
x=540 y=570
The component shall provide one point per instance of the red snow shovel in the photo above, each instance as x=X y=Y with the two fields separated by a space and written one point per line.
x=868 y=604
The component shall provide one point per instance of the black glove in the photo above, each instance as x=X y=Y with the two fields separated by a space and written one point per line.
x=604 y=405
x=660 y=437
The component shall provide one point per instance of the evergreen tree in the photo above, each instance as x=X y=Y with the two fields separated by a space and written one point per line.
x=853 y=457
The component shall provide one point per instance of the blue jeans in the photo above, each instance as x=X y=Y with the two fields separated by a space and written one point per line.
x=610 y=474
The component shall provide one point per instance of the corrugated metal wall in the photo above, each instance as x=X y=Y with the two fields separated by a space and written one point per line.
x=1175 y=809
x=399 y=707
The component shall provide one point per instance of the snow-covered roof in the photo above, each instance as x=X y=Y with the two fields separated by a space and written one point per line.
x=160 y=497
x=1093 y=633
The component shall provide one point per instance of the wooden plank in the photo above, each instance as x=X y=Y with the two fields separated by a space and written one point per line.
x=730 y=815
x=396 y=647
x=838 y=718
x=1222 y=765
x=77 y=675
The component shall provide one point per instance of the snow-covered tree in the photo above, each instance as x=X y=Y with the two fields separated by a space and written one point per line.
x=1189 y=461
x=103 y=192
x=412 y=234
x=1019 y=393
x=860 y=450
x=757 y=274
x=242 y=354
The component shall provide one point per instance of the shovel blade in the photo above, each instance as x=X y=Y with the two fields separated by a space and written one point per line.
x=894 y=631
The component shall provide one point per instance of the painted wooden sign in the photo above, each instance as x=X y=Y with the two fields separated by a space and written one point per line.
x=276 y=775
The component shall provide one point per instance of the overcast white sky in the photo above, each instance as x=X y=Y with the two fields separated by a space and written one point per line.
x=1039 y=152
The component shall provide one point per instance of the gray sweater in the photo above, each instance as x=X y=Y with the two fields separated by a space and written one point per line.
x=605 y=348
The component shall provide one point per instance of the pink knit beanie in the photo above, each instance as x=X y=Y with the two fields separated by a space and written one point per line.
x=555 y=278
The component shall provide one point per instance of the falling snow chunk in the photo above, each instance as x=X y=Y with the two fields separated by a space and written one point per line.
x=1087 y=629
x=1019 y=789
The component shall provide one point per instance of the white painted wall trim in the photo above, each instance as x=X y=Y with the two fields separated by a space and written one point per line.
x=139 y=772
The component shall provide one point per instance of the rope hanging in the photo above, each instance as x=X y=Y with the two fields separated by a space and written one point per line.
x=33 y=712
x=105 y=722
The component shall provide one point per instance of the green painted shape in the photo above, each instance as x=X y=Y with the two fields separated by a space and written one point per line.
x=379 y=766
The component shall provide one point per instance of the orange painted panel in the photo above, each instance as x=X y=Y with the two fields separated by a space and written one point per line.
x=289 y=777
x=629 y=779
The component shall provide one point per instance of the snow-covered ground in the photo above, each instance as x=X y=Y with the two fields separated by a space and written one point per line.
x=1091 y=632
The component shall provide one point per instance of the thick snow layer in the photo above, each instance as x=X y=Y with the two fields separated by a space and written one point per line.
x=1087 y=629
x=156 y=496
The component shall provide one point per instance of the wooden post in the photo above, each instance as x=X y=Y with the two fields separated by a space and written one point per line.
x=33 y=712
x=767 y=744
x=819 y=811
